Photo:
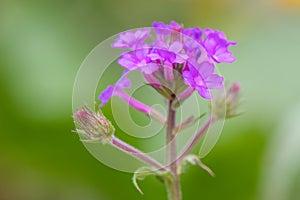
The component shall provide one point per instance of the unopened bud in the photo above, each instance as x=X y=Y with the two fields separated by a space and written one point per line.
x=226 y=105
x=232 y=100
x=93 y=126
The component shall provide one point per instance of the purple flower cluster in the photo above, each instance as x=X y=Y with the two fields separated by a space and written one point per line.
x=170 y=49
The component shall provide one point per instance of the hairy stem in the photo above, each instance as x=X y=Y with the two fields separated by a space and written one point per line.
x=116 y=142
x=173 y=187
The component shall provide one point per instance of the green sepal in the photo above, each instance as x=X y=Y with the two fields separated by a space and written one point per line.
x=180 y=85
x=164 y=91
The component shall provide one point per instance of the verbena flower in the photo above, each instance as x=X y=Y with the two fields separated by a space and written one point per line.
x=172 y=52
x=201 y=78
x=132 y=40
x=216 y=46
x=190 y=52
x=138 y=60
x=214 y=42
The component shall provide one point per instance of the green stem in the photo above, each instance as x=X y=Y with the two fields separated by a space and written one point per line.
x=173 y=186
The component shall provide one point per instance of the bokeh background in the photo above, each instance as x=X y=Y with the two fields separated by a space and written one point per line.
x=42 y=44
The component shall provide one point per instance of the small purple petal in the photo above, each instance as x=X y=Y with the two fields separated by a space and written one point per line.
x=175 y=47
x=175 y=26
x=206 y=69
x=225 y=57
x=201 y=77
x=181 y=58
x=106 y=95
x=166 y=55
x=141 y=34
x=160 y=28
x=149 y=68
x=195 y=33
x=132 y=39
x=153 y=56
x=192 y=47
x=214 y=81
x=124 y=82
x=203 y=92
x=188 y=78
x=141 y=54
x=128 y=60
x=110 y=91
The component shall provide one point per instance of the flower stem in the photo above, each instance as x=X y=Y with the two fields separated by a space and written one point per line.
x=173 y=186
x=141 y=107
x=116 y=142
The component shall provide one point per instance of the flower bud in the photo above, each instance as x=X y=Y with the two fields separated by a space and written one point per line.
x=93 y=126
x=232 y=100
x=226 y=105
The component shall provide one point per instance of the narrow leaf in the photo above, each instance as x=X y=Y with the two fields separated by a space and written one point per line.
x=194 y=160
x=142 y=173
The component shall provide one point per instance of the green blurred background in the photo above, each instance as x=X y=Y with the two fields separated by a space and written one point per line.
x=42 y=44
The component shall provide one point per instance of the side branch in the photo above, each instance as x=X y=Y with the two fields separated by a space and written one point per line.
x=197 y=136
x=116 y=142
x=141 y=107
